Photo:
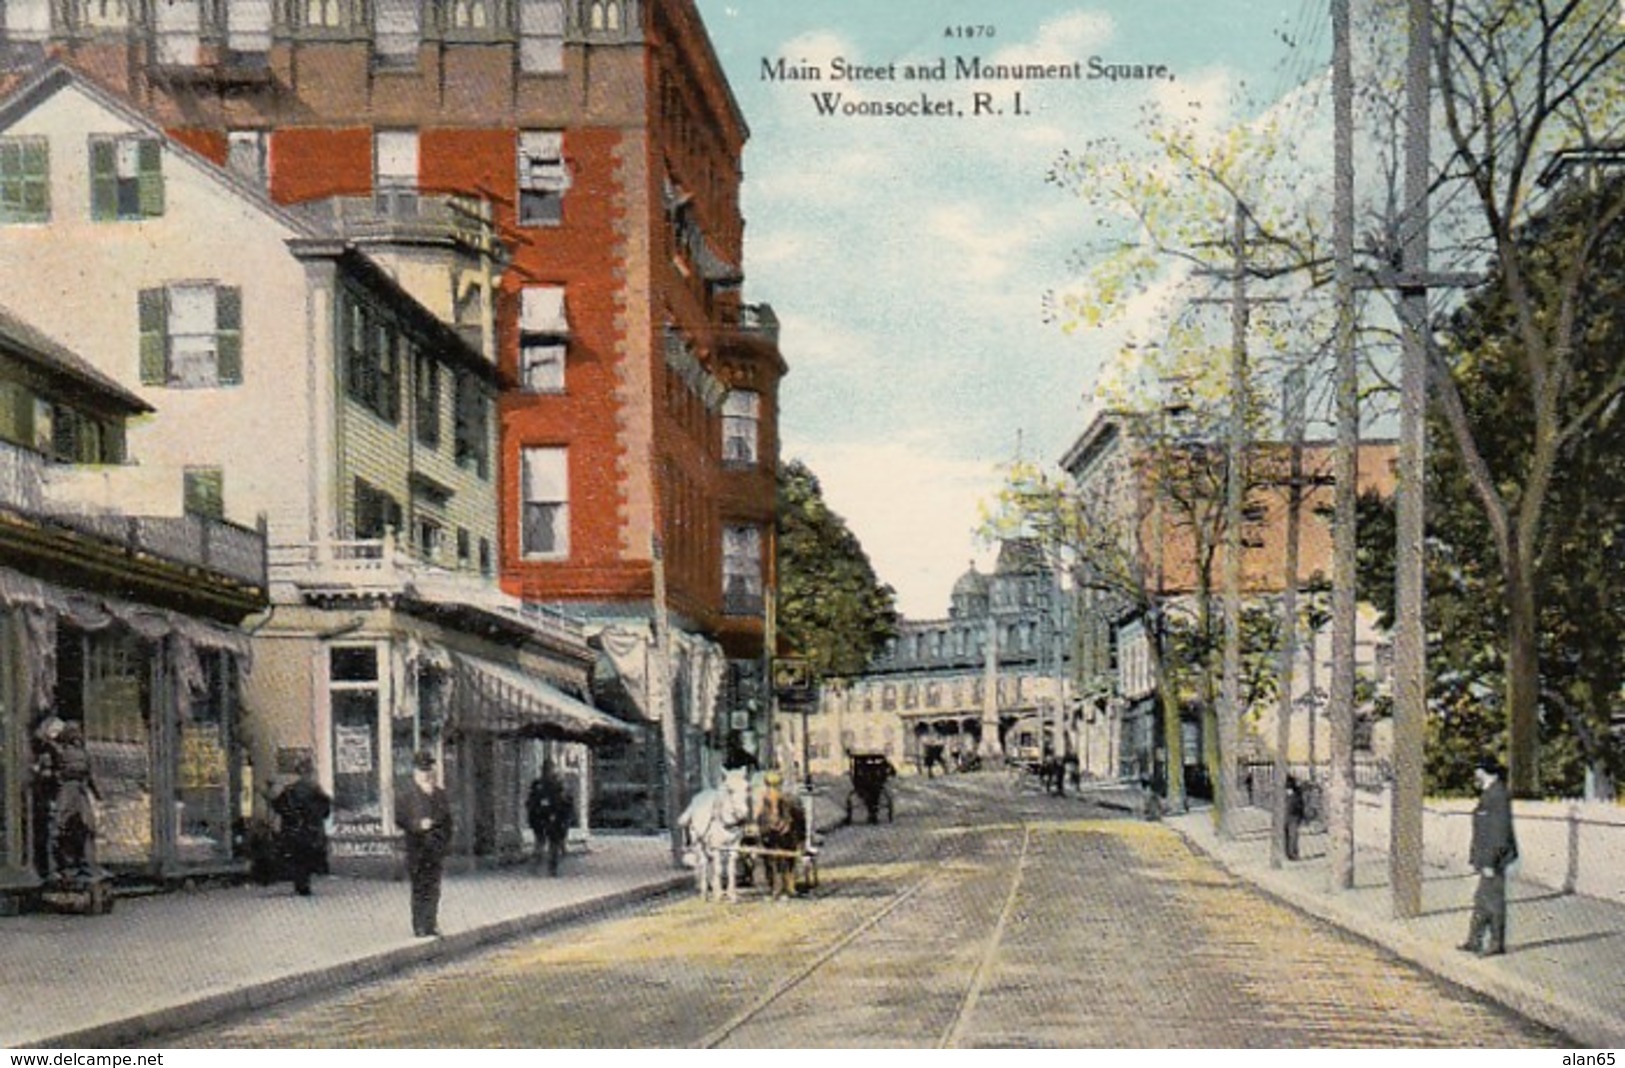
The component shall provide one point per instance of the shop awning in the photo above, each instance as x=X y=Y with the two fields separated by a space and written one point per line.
x=498 y=699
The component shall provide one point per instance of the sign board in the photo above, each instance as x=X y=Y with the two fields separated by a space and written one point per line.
x=352 y=750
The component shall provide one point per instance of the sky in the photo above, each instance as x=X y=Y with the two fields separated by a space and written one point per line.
x=908 y=257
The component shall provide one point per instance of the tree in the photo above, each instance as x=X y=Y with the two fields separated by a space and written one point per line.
x=1573 y=574
x=1518 y=81
x=832 y=609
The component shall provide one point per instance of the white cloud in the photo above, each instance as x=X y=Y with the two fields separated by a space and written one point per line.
x=1062 y=40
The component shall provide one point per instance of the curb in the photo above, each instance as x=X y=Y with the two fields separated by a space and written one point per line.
x=1581 y=1025
x=142 y=1028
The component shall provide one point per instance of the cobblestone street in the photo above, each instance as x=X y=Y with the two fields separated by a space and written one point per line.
x=1021 y=925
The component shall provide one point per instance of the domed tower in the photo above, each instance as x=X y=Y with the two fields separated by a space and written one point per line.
x=970 y=595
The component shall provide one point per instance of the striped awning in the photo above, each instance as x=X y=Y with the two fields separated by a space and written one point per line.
x=498 y=699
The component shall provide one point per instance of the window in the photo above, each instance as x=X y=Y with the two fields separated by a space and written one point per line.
x=464 y=548
x=397 y=32
x=542 y=177
x=472 y=431
x=741 y=418
x=372 y=362
x=428 y=536
x=103 y=14
x=470 y=14
x=25 y=180
x=126 y=178
x=605 y=15
x=485 y=556
x=70 y=436
x=353 y=687
x=27 y=20
x=545 y=529
x=395 y=171
x=191 y=336
x=324 y=14
x=426 y=398
x=377 y=514
x=248 y=156
x=248 y=27
x=541 y=36
x=742 y=570
x=178 y=26
x=543 y=329
x=203 y=492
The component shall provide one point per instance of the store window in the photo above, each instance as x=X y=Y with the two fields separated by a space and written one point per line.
x=203 y=808
x=353 y=688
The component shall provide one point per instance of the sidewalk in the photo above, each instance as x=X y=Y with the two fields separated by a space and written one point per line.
x=162 y=963
x=1565 y=960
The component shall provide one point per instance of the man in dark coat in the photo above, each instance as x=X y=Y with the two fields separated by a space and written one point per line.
x=1494 y=847
x=548 y=811
x=1295 y=812
x=303 y=808
x=423 y=814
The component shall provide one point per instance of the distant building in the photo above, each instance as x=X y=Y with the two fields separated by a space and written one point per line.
x=124 y=625
x=935 y=684
x=1111 y=466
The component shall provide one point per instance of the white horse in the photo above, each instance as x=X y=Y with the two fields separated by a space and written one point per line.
x=713 y=824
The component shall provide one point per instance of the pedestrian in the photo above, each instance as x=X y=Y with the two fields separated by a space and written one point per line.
x=302 y=809
x=77 y=802
x=424 y=815
x=1493 y=848
x=1294 y=816
x=548 y=810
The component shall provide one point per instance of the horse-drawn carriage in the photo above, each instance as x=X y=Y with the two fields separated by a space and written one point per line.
x=739 y=825
x=870 y=775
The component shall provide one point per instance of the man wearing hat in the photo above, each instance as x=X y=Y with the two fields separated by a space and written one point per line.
x=1494 y=847
x=424 y=815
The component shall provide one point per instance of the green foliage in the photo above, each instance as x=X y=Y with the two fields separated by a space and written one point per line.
x=1578 y=551
x=832 y=609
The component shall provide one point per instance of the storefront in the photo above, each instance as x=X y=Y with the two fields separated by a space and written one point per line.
x=153 y=694
x=393 y=682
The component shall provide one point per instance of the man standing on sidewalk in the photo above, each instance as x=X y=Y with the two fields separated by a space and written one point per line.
x=424 y=814
x=1494 y=848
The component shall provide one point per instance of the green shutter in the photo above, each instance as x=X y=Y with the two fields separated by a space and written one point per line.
x=154 y=331
x=203 y=489
x=228 y=303
x=103 y=180
x=151 y=175
x=113 y=442
x=36 y=180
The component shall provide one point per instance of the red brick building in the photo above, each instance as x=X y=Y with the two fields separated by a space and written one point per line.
x=640 y=414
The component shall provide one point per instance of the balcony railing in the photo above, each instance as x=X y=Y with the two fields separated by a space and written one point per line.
x=408 y=216
x=192 y=541
x=384 y=567
x=759 y=319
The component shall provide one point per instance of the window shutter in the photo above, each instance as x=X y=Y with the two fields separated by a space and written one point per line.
x=103 y=180
x=151 y=176
x=154 y=331
x=113 y=443
x=228 y=304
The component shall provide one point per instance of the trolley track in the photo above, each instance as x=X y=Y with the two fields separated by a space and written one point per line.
x=959 y=836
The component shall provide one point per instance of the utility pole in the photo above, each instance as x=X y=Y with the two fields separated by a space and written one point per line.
x=1295 y=414
x=1235 y=490
x=1410 y=653
x=671 y=726
x=1340 y=705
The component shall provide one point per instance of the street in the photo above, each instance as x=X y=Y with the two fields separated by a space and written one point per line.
x=983 y=917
